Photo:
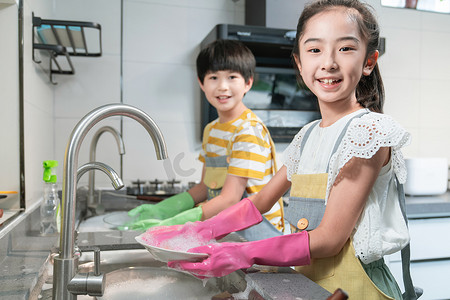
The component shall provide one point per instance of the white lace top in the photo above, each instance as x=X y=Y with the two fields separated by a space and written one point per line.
x=381 y=228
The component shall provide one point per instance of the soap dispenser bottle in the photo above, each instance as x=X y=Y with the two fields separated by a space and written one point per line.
x=50 y=203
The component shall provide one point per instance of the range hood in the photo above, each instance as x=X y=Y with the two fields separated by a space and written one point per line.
x=271 y=47
x=281 y=14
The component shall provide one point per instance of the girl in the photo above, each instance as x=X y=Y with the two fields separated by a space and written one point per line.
x=342 y=170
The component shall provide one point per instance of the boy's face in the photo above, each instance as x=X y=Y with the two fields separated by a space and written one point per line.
x=225 y=90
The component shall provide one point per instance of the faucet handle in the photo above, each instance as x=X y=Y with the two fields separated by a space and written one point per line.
x=92 y=284
x=97 y=261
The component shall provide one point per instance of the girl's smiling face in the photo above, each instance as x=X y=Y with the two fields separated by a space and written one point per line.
x=333 y=56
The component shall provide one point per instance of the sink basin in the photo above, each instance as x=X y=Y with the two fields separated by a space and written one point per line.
x=139 y=283
x=134 y=273
x=123 y=261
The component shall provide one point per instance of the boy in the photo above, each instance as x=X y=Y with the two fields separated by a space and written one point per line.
x=238 y=154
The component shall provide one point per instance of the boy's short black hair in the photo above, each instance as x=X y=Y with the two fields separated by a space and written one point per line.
x=222 y=55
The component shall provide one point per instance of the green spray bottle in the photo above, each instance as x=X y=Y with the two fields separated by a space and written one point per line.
x=50 y=203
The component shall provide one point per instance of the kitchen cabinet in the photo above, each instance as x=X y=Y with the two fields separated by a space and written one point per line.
x=430 y=257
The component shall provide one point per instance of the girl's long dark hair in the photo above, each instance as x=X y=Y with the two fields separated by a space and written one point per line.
x=370 y=89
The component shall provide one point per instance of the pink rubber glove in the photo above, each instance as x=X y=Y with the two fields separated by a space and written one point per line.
x=225 y=258
x=237 y=217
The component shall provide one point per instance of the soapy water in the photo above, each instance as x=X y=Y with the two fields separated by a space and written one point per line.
x=182 y=242
x=140 y=287
x=150 y=283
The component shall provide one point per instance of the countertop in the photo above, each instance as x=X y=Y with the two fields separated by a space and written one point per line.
x=420 y=207
x=24 y=252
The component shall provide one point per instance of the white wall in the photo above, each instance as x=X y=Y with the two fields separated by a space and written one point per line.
x=9 y=103
x=415 y=73
x=38 y=103
x=161 y=41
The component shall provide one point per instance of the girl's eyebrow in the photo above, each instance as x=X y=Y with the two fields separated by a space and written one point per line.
x=341 y=39
x=349 y=38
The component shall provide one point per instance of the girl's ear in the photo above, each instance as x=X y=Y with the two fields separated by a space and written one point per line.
x=370 y=63
x=297 y=62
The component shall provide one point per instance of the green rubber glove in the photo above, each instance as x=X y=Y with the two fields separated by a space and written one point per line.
x=165 y=209
x=190 y=215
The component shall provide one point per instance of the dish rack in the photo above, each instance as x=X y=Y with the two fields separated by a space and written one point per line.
x=60 y=39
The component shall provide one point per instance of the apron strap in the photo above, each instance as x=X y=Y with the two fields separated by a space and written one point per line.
x=411 y=292
x=206 y=136
x=307 y=133
x=341 y=136
x=338 y=141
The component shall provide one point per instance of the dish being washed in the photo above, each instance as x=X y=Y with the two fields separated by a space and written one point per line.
x=165 y=255
x=119 y=220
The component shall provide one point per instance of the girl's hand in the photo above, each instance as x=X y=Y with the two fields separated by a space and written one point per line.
x=225 y=258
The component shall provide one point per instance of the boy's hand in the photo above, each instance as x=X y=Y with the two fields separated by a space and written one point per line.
x=165 y=209
x=191 y=215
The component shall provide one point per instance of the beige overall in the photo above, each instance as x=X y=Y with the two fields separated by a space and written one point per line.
x=343 y=270
x=216 y=171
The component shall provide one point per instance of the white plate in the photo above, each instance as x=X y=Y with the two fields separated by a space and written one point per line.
x=166 y=255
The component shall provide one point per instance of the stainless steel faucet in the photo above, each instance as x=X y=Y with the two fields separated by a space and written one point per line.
x=95 y=165
x=65 y=263
x=93 y=283
x=91 y=191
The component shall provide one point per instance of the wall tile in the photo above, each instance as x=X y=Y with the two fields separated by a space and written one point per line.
x=96 y=82
x=141 y=163
x=170 y=35
x=434 y=142
x=435 y=22
x=389 y=17
x=39 y=137
x=434 y=105
x=413 y=149
x=39 y=141
x=199 y=4
x=107 y=151
x=403 y=56
x=435 y=49
x=403 y=95
x=156 y=88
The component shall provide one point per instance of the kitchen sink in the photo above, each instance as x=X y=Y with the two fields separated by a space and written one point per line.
x=133 y=273
x=128 y=267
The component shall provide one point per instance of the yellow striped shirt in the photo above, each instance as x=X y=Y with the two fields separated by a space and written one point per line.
x=247 y=142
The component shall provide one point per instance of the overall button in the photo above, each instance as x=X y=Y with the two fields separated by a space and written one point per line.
x=213 y=185
x=302 y=224
x=228 y=159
